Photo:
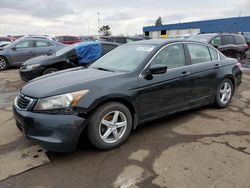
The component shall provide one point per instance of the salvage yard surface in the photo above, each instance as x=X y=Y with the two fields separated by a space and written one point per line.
x=205 y=147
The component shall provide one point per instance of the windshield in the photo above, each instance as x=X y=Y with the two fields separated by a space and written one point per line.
x=65 y=50
x=203 y=38
x=125 y=58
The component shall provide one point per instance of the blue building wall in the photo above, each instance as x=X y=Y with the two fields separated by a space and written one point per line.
x=239 y=24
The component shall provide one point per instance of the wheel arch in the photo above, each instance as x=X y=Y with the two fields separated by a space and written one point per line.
x=120 y=99
x=232 y=79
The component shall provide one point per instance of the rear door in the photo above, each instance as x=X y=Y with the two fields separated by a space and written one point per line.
x=167 y=92
x=228 y=47
x=205 y=66
x=22 y=51
x=43 y=47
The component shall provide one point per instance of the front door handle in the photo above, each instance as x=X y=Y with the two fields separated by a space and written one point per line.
x=185 y=73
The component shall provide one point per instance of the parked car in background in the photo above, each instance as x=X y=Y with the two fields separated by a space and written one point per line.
x=4 y=43
x=7 y=39
x=80 y=54
x=87 y=38
x=247 y=37
x=123 y=40
x=26 y=48
x=68 y=39
x=132 y=84
x=231 y=45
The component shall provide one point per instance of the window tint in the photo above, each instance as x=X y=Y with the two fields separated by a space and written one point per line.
x=198 y=53
x=42 y=44
x=216 y=41
x=214 y=54
x=239 y=39
x=107 y=48
x=129 y=40
x=25 y=44
x=172 y=56
x=120 y=40
x=227 y=39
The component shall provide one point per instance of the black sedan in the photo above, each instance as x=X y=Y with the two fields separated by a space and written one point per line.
x=80 y=54
x=133 y=84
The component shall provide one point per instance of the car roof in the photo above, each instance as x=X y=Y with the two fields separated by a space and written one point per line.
x=162 y=42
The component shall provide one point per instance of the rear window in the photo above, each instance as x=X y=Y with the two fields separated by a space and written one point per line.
x=227 y=39
x=199 y=53
x=4 y=39
x=239 y=39
x=107 y=48
x=214 y=54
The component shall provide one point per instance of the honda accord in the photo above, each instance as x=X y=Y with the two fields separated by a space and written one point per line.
x=133 y=84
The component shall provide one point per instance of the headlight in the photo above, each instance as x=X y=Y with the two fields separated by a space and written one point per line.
x=65 y=101
x=30 y=67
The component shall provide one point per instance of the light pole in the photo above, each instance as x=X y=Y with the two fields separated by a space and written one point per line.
x=98 y=17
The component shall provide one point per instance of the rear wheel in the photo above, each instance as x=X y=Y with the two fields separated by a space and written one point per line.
x=3 y=63
x=110 y=126
x=49 y=71
x=224 y=93
x=239 y=57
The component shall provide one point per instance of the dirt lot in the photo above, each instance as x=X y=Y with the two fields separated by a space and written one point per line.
x=205 y=147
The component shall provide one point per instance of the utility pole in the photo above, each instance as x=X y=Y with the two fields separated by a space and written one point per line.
x=98 y=17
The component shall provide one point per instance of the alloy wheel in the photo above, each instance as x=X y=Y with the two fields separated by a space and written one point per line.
x=3 y=64
x=113 y=127
x=225 y=93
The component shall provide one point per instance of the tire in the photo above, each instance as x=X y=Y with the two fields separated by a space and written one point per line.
x=239 y=57
x=49 y=71
x=3 y=63
x=97 y=130
x=224 y=93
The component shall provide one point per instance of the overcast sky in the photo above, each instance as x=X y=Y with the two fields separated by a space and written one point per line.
x=58 y=17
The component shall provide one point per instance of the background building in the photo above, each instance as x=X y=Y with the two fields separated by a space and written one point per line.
x=232 y=25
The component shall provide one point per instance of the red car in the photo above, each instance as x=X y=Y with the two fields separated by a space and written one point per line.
x=68 y=39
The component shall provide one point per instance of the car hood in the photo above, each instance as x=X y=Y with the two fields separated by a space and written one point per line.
x=41 y=59
x=64 y=82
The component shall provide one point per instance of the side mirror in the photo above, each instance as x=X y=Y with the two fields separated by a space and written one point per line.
x=158 y=69
x=13 y=48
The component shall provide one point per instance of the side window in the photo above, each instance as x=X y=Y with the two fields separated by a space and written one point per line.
x=198 y=53
x=42 y=44
x=214 y=54
x=239 y=39
x=227 y=39
x=120 y=40
x=129 y=40
x=107 y=48
x=25 y=44
x=172 y=56
x=216 y=41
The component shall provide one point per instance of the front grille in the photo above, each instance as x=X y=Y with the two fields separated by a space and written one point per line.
x=23 y=102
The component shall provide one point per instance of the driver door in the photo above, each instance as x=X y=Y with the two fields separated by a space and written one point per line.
x=22 y=52
x=169 y=92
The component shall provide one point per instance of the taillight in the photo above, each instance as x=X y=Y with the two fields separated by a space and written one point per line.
x=239 y=65
x=246 y=46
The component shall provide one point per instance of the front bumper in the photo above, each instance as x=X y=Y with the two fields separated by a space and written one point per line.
x=27 y=75
x=57 y=133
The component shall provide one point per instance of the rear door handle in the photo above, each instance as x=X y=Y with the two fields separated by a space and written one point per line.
x=216 y=66
x=185 y=73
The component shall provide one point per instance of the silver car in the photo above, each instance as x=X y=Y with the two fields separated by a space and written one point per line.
x=25 y=48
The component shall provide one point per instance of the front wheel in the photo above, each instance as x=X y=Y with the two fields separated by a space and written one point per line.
x=224 y=93
x=3 y=63
x=110 y=126
x=49 y=71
